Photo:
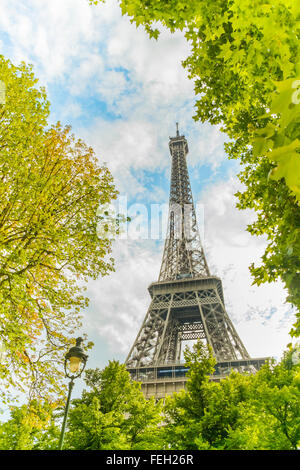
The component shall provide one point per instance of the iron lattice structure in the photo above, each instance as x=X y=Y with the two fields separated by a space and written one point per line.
x=187 y=302
x=183 y=253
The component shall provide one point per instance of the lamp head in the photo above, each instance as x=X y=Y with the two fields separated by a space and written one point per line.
x=75 y=360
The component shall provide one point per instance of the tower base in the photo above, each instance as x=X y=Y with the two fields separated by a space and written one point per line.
x=162 y=380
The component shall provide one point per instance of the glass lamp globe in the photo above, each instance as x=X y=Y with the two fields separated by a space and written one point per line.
x=74 y=364
x=75 y=359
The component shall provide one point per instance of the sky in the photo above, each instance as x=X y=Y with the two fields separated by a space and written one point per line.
x=123 y=93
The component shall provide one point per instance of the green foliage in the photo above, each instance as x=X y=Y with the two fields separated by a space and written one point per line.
x=51 y=188
x=200 y=416
x=242 y=411
x=245 y=63
x=278 y=395
x=114 y=414
x=30 y=427
x=255 y=431
x=270 y=419
x=260 y=411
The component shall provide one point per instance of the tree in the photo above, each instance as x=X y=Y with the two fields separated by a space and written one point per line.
x=114 y=414
x=245 y=62
x=51 y=188
x=200 y=416
x=241 y=411
x=30 y=427
x=270 y=419
x=278 y=395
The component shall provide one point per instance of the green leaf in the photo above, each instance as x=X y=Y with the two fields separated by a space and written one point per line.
x=288 y=164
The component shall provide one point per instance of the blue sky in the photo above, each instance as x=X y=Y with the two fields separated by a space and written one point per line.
x=123 y=93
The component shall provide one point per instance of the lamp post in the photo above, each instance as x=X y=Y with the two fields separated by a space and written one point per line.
x=75 y=361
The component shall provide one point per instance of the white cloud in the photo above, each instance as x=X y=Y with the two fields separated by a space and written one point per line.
x=96 y=53
x=260 y=313
x=120 y=301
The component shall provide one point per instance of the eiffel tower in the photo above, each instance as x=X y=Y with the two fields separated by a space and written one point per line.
x=187 y=302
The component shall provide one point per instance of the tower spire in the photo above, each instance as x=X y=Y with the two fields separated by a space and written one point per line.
x=183 y=253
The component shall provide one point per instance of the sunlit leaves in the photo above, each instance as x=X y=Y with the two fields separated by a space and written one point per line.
x=30 y=426
x=242 y=411
x=289 y=164
x=255 y=411
x=51 y=185
x=114 y=414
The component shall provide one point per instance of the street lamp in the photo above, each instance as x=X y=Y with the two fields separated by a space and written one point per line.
x=75 y=361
